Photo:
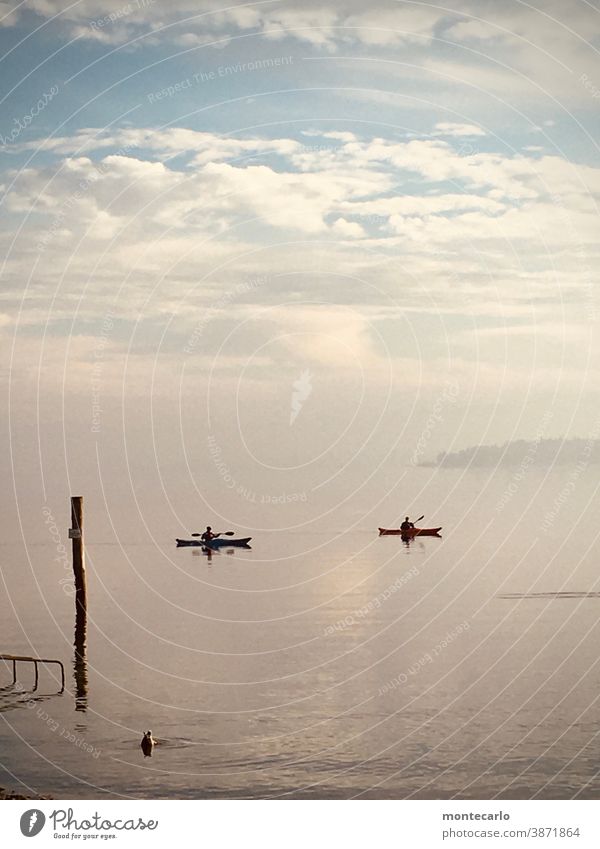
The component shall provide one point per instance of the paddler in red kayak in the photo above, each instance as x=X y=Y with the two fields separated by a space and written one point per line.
x=407 y=525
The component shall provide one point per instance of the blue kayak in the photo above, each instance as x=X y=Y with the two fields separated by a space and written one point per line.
x=215 y=543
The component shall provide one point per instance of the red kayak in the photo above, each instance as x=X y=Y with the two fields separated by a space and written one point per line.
x=411 y=532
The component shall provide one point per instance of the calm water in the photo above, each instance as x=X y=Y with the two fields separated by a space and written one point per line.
x=326 y=664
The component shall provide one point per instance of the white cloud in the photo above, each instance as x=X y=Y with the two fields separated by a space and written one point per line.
x=347 y=229
x=476 y=29
x=337 y=336
x=165 y=143
x=339 y=178
x=470 y=236
x=448 y=128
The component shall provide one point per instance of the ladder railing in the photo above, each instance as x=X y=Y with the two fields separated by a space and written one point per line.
x=19 y=658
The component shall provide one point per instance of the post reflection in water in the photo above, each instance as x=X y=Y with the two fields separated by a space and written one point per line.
x=80 y=672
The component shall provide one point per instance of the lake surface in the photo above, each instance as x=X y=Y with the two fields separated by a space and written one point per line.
x=320 y=663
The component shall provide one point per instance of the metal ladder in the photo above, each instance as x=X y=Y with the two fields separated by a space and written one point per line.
x=16 y=658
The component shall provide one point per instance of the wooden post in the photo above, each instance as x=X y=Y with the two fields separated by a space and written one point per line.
x=76 y=534
x=80 y=664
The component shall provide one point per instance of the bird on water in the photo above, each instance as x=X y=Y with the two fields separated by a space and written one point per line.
x=147 y=744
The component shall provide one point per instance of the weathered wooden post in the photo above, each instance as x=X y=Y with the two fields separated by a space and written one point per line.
x=76 y=534
x=80 y=662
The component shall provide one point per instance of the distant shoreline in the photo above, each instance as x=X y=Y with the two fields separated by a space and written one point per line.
x=520 y=453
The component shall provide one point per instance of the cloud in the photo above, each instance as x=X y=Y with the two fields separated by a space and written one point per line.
x=478 y=59
x=313 y=23
x=347 y=229
x=201 y=147
x=327 y=335
x=448 y=128
x=396 y=231
x=329 y=25
x=477 y=29
x=347 y=172
x=340 y=184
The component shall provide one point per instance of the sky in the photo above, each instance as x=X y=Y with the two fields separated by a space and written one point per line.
x=273 y=242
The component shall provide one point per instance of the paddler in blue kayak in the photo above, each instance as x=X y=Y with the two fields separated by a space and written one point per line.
x=208 y=534
x=407 y=525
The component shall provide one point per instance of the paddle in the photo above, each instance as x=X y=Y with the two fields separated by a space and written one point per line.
x=220 y=534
